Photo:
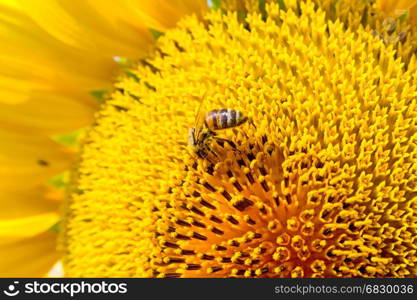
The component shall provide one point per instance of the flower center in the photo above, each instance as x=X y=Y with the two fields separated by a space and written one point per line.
x=323 y=182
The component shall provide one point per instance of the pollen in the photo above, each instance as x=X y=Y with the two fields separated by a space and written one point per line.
x=324 y=182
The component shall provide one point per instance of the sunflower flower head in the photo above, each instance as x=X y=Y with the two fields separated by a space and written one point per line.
x=323 y=183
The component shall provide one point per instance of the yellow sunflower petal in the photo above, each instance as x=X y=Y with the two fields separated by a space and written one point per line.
x=26 y=161
x=68 y=74
x=395 y=8
x=26 y=227
x=25 y=204
x=159 y=14
x=81 y=25
x=11 y=3
x=47 y=113
x=49 y=64
x=72 y=48
x=32 y=257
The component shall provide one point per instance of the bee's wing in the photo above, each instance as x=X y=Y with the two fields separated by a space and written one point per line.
x=199 y=118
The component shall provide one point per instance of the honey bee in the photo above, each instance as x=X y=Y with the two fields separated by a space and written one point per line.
x=204 y=131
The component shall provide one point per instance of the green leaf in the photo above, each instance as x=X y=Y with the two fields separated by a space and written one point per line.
x=99 y=94
x=215 y=4
x=404 y=16
x=68 y=139
x=56 y=227
x=156 y=33
x=59 y=181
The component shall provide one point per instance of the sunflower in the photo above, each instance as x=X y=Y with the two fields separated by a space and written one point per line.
x=57 y=58
x=320 y=182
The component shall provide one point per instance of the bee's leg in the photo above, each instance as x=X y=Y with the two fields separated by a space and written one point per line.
x=231 y=143
x=201 y=153
x=214 y=154
x=204 y=153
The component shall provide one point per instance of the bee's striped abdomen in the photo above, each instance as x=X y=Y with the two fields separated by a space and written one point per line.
x=224 y=118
